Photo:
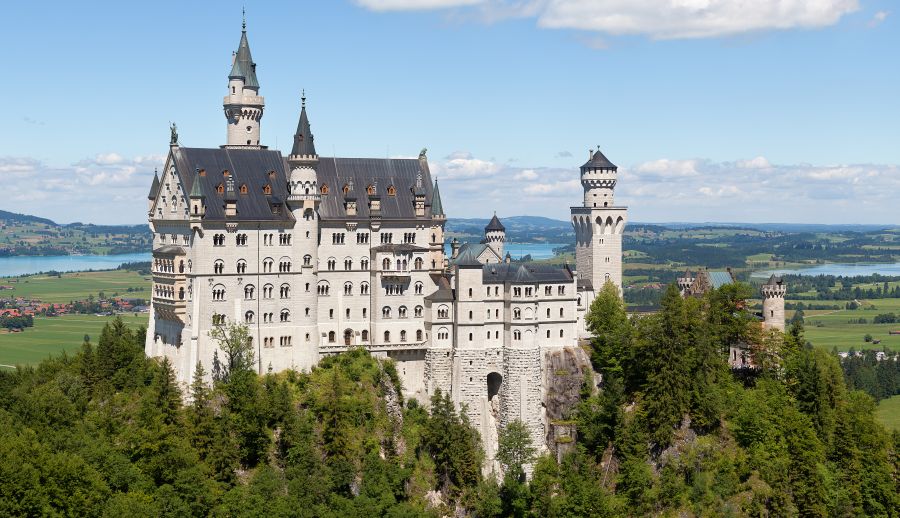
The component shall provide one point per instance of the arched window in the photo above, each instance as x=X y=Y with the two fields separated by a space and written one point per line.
x=307 y=260
x=218 y=266
x=285 y=291
x=348 y=264
x=181 y=293
x=443 y=311
x=323 y=288
x=517 y=335
x=364 y=263
x=285 y=315
x=348 y=288
x=248 y=317
x=418 y=311
x=242 y=266
x=386 y=264
x=418 y=263
x=387 y=336
x=332 y=337
x=364 y=288
x=403 y=335
x=402 y=312
x=218 y=292
x=517 y=314
x=248 y=292
x=386 y=312
x=419 y=288
x=364 y=335
x=418 y=335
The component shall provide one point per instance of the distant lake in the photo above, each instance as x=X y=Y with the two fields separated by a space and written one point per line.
x=837 y=269
x=519 y=250
x=26 y=265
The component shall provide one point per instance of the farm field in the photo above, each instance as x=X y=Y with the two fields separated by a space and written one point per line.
x=53 y=335
x=77 y=285
x=888 y=412
x=829 y=329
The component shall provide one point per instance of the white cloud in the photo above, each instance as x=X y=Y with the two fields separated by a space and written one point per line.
x=527 y=174
x=878 y=18
x=106 y=188
x=658 y=19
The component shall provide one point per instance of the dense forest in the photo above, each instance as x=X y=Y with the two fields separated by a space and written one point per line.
x=670 y=431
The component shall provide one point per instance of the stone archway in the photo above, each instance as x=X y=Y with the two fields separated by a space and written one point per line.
x=494 y=381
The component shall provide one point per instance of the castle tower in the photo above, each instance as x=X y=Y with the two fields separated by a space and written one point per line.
x=303 y=201
x=438 y=219
x=773 y=292
x=685 y=282
x=599 y=226
x=243 y=104
x=495 y=235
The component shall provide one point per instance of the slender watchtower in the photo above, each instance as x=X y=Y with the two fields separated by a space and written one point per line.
x=773 y=292
x=599 y=226
x=495 y=235
x=243 y=104
x=303 y=201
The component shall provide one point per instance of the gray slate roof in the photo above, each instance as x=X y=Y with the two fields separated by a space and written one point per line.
x=247 y=166
x=495 y=224
x=381 y=172
x=303 y=138
x=154 y=189
x=599 y=161
x=528 y=273
x=444 y=292
x=244 y=66
x=468 y=254
x=437 y=208
x=774 y=280
x=719 y=279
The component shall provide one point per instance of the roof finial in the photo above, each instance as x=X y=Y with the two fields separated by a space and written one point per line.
x=243 y=19
x=303 y=98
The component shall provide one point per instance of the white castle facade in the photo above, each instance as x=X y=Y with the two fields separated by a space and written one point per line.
x=318 y=255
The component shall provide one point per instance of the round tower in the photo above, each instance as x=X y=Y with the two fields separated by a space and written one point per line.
x=773 y=292
x=303 y=201
x=243 y=105
x=495 y=236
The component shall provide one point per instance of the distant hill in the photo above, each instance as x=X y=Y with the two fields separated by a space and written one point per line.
x=24 y=218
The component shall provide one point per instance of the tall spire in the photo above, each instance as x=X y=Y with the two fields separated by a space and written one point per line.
x=154 y=189
x=437 y=208
x=243 y=66
x=303 y=138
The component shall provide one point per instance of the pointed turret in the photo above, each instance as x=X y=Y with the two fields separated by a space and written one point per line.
x=197 y=200
x=437 y=208
x=303 y=138
x=243 y=66
x=154 y=188
x=495 y=225
x=495 y=235
x=243 y=104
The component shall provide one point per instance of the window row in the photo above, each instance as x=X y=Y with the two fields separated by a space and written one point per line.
x=401 y=312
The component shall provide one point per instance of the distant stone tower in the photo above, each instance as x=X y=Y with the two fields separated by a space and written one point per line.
x=599 y=226
x=685 y=282
x=243 y=104
x=495 y=235
x=773 y=292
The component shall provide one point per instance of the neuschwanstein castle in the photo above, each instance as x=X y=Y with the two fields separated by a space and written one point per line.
x=317 y=255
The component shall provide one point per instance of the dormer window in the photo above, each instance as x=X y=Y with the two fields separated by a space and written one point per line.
x=271 y=175
x=267 y=189
x=225 y=174
x=392 y=191
x=324 y=189
x=220 y=188
x=370 y=189
x=244 y=189
x=203 y=172
x=346 y=189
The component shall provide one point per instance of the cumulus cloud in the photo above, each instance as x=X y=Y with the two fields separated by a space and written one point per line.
x=658 y=19
x=105 y=188
x=669 y=189
x=564 y=154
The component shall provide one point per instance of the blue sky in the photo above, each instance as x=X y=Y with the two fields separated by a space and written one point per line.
x=715 y=110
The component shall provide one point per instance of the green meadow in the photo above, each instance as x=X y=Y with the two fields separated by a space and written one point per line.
x=888 y=412
x=77 y=285
x=53 y=335
x=830 y=329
